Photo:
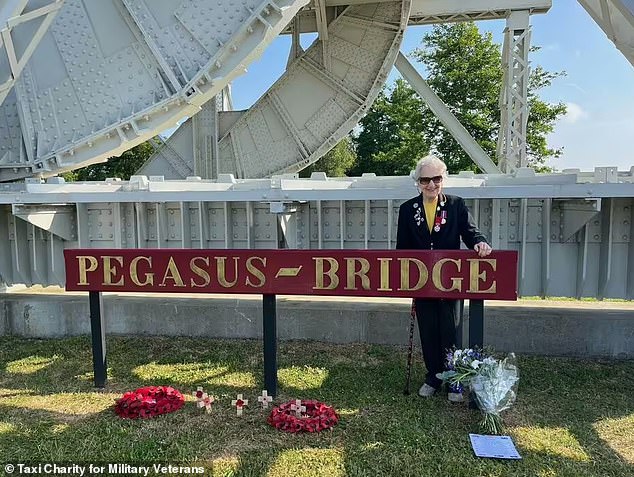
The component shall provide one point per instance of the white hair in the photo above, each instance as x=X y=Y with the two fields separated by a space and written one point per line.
x=430 y=160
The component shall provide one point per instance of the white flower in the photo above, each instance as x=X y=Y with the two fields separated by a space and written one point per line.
x=489 y=360
x=475 y=364
x=457 y=353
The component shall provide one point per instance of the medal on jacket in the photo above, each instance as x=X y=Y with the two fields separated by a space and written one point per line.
x=440 y=220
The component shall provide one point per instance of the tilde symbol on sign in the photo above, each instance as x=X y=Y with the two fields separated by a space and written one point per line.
x=288 y=271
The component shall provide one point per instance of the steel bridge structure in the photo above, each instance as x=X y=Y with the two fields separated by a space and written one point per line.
x=85 y=80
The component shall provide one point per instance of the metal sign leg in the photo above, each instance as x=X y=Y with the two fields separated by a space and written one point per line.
x=98 y=331
x=270 y=344
x=476 y=323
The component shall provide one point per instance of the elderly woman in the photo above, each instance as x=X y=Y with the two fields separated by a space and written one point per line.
x=435 y=221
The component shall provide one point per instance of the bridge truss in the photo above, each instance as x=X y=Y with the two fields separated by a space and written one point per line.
x=83 y=80
x=573 y=231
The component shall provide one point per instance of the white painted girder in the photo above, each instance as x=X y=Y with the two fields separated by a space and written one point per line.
x=111 y=74
x=563 y=244
x=435 y=11
x=288 y=188
x=91 y=104
x=616 y=19
x=23 y=157
x=512 y=143
x=13 y=57
x=320 y=97
x=444 y=114
x=445 y=7
x=30 y=21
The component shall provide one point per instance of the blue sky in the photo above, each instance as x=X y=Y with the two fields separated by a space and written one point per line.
x=598 y=88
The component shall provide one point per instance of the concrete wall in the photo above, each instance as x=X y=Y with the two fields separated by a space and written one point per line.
x=527 y=327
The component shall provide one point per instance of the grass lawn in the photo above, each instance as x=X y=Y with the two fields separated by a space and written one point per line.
x=572 y=417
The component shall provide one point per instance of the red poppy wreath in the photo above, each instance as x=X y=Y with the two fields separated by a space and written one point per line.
x=316 y=417
x=148 y=402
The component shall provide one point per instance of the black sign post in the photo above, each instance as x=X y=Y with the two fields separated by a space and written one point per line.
x=269 y=325
x=98 y=332
x=476 y=323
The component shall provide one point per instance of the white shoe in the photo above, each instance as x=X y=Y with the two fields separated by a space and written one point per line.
x=455 y=397
x=426 y=390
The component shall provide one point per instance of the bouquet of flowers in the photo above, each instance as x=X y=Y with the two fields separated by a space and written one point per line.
x=493 y=382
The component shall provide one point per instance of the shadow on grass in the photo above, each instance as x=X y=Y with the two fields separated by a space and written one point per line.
x=381 y=431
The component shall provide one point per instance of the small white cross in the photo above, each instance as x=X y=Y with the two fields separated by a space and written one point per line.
x=199 y=394
x=265 y=399
x=298 y=408
x=206 y=402
x=239 y=403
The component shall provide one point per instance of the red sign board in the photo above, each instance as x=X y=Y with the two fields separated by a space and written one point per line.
x=389 y=273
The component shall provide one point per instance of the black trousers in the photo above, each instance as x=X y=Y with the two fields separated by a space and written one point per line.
x=437 y=324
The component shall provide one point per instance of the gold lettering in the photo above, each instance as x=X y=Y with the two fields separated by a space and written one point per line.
x=199 y=272
x=423 y=274
x=173 y=274
x=436 y=275
x=352 y=273
x=134 y=273
x=257 y=273
x=385 y=274
x=221 y=272
x=331 y=273
x=475 y=275
x=109 y=270
x=83 y=269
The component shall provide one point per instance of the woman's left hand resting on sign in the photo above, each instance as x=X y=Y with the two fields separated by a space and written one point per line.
x=483 y=249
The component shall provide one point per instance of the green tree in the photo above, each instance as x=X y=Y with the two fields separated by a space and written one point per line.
x=465 y=70
x=391 y=138
x=122 y=167
x=464 y=67
x=335 y=163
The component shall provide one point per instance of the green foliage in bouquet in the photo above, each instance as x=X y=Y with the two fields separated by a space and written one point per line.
x=493 y=383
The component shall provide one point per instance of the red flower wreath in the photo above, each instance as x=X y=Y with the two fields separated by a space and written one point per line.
x=149 y=402
x=317 y=417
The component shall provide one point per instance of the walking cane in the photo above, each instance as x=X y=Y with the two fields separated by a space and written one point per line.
x=411 y=346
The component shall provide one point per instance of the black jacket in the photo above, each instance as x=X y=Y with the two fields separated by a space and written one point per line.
x=413 y=232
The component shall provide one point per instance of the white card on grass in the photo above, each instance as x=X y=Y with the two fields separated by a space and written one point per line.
x=498 y=447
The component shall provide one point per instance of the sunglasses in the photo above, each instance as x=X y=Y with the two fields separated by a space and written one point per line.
x=427 y=180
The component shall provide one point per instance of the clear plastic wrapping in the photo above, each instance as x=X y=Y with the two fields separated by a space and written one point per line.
x=492 y=382
x=495 y=389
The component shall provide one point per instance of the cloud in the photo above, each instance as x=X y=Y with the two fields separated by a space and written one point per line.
x=574 y=113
